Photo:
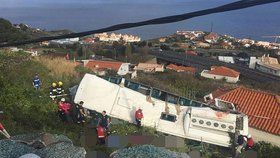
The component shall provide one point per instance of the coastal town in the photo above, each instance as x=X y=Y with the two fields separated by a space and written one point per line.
x=212 y=88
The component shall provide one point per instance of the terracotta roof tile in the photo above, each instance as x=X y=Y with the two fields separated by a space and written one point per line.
x=220 y=91
x=223 y=71
x=101 y=65
x=181 y=68
x=263 y=109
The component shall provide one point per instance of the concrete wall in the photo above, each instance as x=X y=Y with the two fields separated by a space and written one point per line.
x=268 y=70
x=259 y=135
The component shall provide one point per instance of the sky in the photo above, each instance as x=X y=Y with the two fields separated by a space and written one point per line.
x=38 y=3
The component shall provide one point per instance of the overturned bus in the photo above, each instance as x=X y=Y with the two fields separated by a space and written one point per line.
x=166 y=112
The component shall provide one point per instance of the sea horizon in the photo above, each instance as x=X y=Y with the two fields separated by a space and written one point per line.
x=87 y=15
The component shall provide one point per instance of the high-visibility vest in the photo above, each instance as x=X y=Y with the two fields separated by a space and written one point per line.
x=250 y=142
x=100 y=132
x=1 y=127
x=138 y=114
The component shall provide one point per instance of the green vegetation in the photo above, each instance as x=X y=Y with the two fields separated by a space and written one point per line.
x=25 y=109
x=183 y=84
x=9 y=33
x=266 y=150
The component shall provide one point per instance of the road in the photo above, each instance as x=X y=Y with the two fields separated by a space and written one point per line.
x=205 y=63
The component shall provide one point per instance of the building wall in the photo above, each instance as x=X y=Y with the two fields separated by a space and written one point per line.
x=226 y=59
x=267 y=70
x=253 y=61
x=259 y=135
x=218 y=77
x=160 y=69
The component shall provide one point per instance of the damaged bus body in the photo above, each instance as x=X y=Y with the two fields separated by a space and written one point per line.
x=163 y=111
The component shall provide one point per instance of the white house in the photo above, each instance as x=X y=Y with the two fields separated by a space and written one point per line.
x=150 y=67
x=226 y=59
x=221 y=73
x=269 y=65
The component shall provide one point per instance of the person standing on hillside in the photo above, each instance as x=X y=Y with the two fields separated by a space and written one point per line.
x=249 y=142
x=37 y=82
x=59 y=88
x=78 y=113
x=104 y=121
x=100 y=135
x=4 y=132
x=64 y=110
x=138 y=117
x=53 y=91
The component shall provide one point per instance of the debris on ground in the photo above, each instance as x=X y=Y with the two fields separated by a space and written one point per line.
x=148 y=151
x=43 y=145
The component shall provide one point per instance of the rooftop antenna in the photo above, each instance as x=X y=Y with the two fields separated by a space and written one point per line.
x=275 y=38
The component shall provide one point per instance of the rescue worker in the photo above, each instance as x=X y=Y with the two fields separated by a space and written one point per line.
x=4 y=132
x=79 y=113
x=100 y=135
x=240 y=144
x=250 y=142
x=104 y=121
x=138 y=117
x=53 y=91
x=36 y=82
x=59 y=88
x=64 y=110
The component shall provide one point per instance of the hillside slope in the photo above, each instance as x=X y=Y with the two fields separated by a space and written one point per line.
x=9 y=32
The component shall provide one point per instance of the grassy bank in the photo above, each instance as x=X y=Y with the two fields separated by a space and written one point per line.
x=25 y=109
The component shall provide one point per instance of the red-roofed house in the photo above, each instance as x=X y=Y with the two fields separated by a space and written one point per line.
x=263 y=110
x=177 y=68
x=88 y=40
x=191 y=52
x=212 y=37
x=101 y=66
x=221 y=73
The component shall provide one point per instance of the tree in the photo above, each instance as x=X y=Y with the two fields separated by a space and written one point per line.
x=128 y=51
x=164 y=47
x=142 y=44
x=80 y=51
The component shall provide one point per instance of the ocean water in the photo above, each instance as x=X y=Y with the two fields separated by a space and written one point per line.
x=84 y=15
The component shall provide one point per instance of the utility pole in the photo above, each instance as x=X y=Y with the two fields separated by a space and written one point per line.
x=211 y=26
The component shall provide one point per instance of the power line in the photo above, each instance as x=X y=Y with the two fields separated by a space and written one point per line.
x=163 y=20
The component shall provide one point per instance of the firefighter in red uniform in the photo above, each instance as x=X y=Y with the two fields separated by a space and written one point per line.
x=4 y=132
x=138 y=117
x=100 y=135
x=250 y=142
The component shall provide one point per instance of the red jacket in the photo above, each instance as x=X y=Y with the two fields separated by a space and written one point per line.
x=65 y=107
x=139 y=114
x=1 y=127
x=250 y=142
x=100 y=132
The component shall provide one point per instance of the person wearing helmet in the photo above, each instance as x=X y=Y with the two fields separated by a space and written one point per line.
x=138 y=117
x=64 y=110
x=250 y=142
x=59 y=88
x=53 y=91
x=4 y=132
x=37 y=82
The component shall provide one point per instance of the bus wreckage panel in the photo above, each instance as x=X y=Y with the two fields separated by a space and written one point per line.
x=163 y=111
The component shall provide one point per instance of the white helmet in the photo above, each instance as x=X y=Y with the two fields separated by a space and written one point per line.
x=62 y=99
x=249 y=136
